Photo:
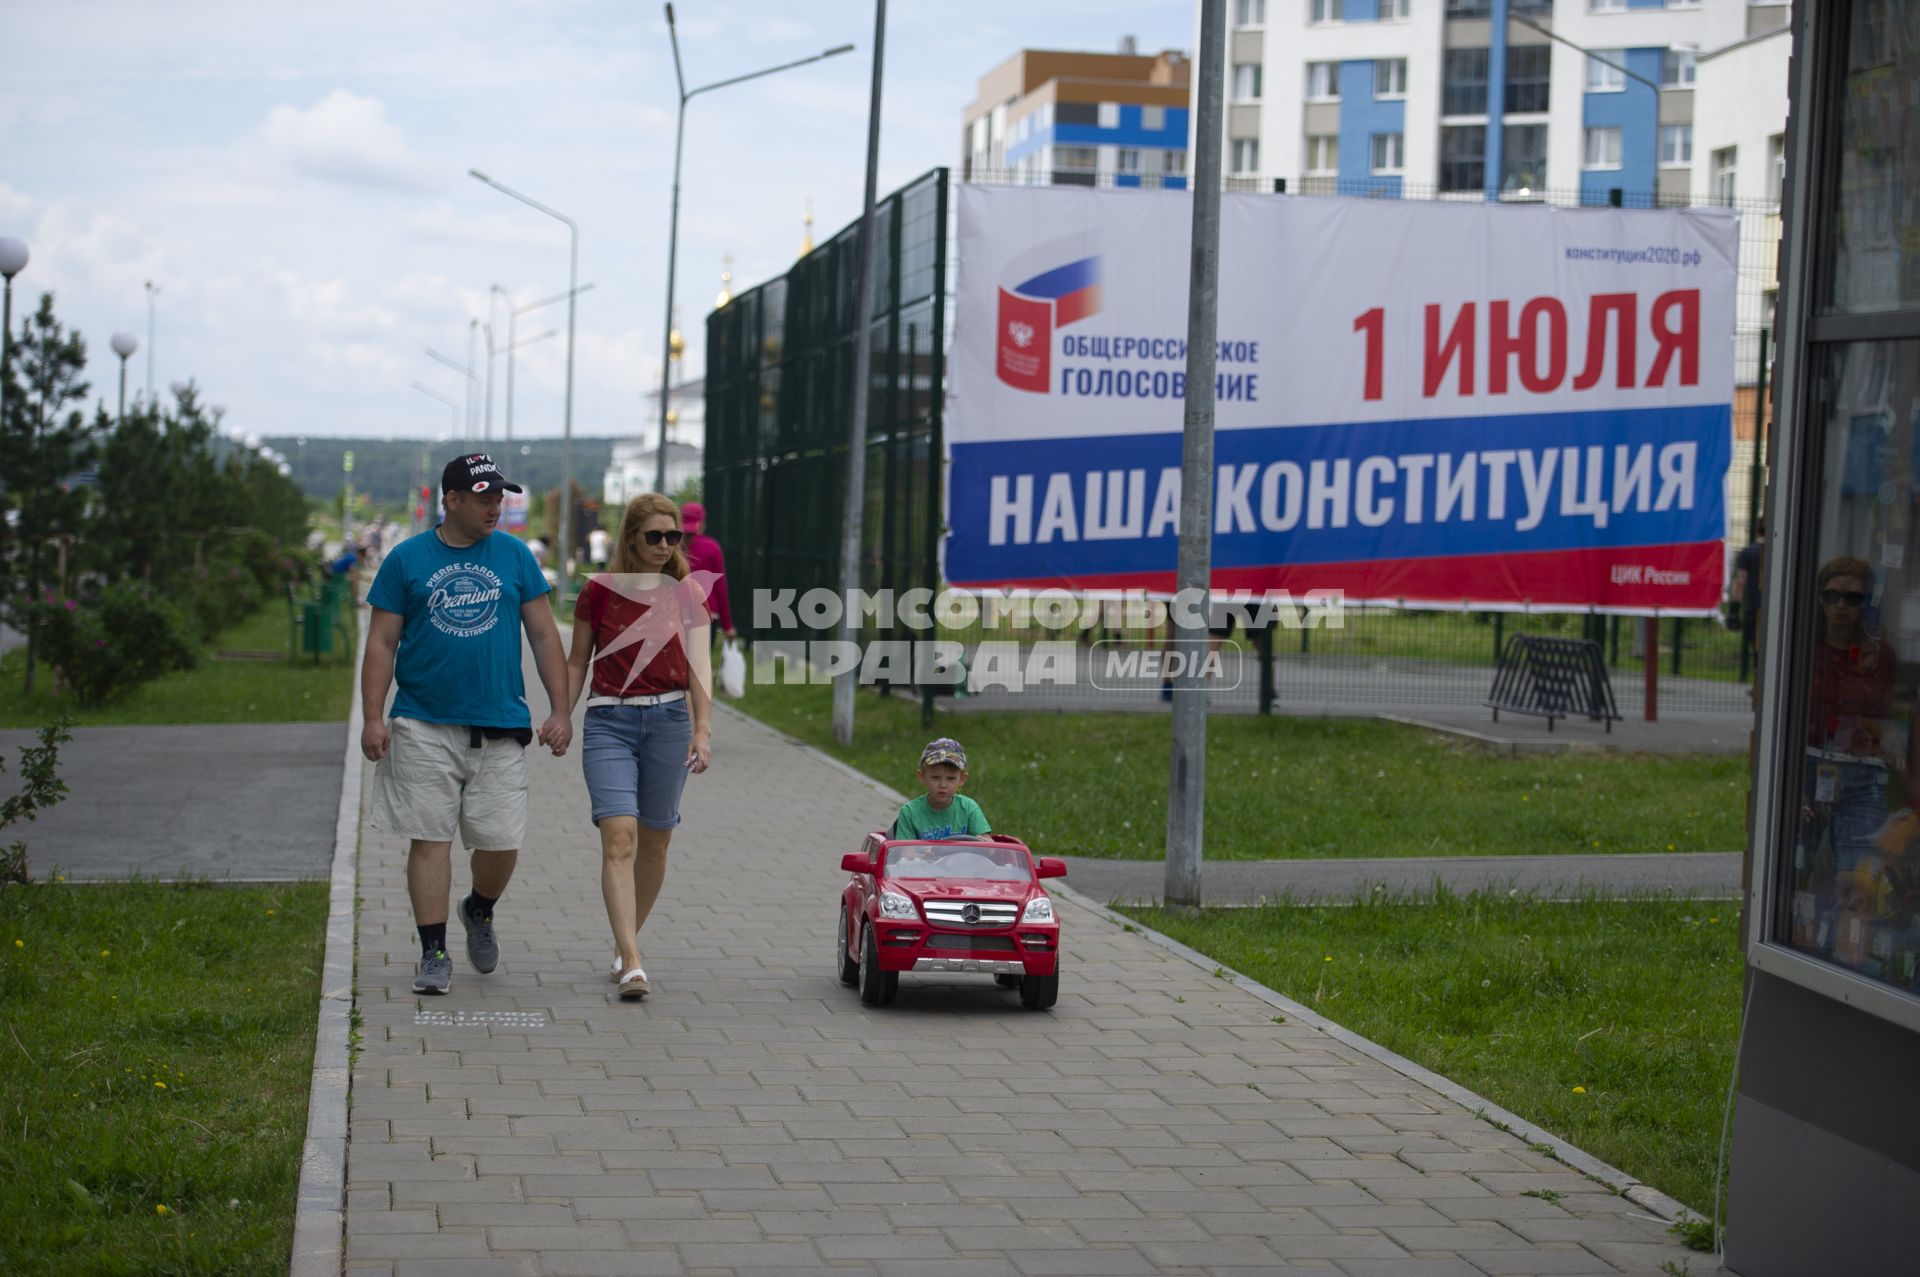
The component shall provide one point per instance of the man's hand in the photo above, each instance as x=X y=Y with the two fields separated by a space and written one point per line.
x=556 y=733
x=373 y=740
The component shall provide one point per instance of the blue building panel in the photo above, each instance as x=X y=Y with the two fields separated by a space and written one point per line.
x=1635 y=111
x=1362 y=116
x=1171 y=136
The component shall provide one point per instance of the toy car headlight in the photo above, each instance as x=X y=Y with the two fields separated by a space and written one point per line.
x=1039 y=909
x=895 y=905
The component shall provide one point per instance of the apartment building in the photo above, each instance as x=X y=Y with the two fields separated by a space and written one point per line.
x=1476 y=98
x=1080 y=119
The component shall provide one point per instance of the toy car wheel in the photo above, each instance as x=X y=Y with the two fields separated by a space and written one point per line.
x=1038 y=992
x=1007 y=980
x=849 y=969
x=877 y=987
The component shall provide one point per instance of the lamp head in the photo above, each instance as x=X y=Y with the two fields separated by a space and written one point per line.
x=13 y=256
x=124 y=344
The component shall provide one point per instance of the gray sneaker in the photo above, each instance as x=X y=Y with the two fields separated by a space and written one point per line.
x=436 y=973
x=483 y=951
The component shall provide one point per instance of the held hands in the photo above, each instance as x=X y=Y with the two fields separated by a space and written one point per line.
x=699 y=753
x=556 y=733
x=373 y=740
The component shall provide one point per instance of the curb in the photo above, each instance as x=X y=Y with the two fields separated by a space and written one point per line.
x=1648 y=1198
x=319 y=1216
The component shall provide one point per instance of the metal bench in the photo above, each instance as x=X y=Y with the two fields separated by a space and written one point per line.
x=1553 y=678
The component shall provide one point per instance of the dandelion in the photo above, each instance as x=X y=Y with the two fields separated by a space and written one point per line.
x=105 y=953
x=1669 y=846
x=1712 y=920
x=161 y=1210
x=19 y=944
x=269 y=913
x=161 y=1085
x=1579 y=1090
x=1328 y=958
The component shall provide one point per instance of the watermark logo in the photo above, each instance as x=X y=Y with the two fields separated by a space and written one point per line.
x=645 y=613
x=1119 y=665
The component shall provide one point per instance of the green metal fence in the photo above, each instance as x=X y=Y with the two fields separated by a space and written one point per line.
x=779 y=400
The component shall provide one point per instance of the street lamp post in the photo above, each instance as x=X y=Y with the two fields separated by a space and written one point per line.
x=491 y=290
x=566 y=440
x=13 y=260
x=673 y=224
x=513 y=316
x=153 y=291
x=124 y=344
x=465 y=430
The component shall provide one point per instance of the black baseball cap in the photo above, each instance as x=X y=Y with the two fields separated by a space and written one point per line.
x=474 y=472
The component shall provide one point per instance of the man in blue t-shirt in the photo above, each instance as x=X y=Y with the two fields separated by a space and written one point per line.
x=448 y=606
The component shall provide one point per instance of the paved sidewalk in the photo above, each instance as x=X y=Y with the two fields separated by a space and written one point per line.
x=1713 y=874
x=247 y=801
x=753 y=1117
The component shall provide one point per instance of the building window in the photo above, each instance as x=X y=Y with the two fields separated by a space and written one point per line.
x=1603 y=148
x=1323 y=154
x=1389 y=152
x=1390 y=77
x=1676 y=145
x=1464 y=82
x=1724 y=166
x=1326 y=10
x=1109 y=115
x=1528 y=78
x=1246 y=155
x=1323 y=81
x=1676 y=69
x=1246 y=82
x=1175 y=162
x=1153 y=118
x=1469 y=8
x=1463 y=157
x=1523 y=158
x=1777 y=167
x=1075 y=157
x=1606 y=6
x=1127 y=159
x=1395 y=10
x=1249 y=13
x=1604 y=74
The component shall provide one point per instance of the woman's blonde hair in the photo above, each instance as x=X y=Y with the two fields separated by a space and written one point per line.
x=626 y=550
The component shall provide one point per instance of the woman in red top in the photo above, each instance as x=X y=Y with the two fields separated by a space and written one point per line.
x=643 y=629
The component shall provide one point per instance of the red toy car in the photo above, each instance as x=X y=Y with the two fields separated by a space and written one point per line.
x=956 y=904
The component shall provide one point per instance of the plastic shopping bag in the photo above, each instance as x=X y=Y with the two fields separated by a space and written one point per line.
x=733 y=670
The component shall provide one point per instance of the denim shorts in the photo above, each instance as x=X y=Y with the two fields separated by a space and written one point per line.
x=635 y=758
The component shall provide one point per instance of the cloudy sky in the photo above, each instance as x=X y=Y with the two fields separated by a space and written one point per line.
x=293 y=178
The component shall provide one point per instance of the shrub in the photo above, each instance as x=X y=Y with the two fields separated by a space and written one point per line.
x=217 y=595
x=105 y=647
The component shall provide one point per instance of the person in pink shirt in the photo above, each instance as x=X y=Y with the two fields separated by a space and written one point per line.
x=703 y=555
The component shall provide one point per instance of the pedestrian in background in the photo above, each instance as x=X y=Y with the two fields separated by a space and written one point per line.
x=448 y=608
x=703 y=555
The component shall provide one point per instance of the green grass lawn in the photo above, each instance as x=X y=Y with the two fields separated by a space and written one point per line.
x=1611 y=1024
x=1284 y=788
x=157 y=1046
x=219 y=691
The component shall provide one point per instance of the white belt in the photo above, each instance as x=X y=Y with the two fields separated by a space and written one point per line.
x=661 y=698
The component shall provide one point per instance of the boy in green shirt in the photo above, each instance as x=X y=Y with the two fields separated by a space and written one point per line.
x=943 y=811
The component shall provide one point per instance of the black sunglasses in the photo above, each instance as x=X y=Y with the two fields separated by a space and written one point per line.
x=656 y=536
x=1852 y=598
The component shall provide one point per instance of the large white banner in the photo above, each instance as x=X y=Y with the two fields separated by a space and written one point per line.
x=1446 y=404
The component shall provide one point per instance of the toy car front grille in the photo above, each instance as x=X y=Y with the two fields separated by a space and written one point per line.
x=974 y=943
x=971 y=913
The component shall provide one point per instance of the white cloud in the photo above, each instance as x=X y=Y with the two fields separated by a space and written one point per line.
x=345 y=138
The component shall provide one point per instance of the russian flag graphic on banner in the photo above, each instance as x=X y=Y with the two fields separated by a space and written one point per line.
x=1031 y=311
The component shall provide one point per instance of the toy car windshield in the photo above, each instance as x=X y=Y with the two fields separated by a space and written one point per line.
x=955 y=860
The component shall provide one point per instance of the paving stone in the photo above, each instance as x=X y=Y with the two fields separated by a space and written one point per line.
x=752 y=1116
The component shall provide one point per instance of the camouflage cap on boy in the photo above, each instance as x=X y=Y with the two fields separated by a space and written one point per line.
x=944 y=750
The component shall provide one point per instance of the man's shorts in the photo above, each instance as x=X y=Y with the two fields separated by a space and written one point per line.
x=434 y=782
x=635 y=759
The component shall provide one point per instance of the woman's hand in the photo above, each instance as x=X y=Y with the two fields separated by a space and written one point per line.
x=699 y=753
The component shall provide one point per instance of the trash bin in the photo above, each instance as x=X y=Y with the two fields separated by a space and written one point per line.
x=317 y=629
